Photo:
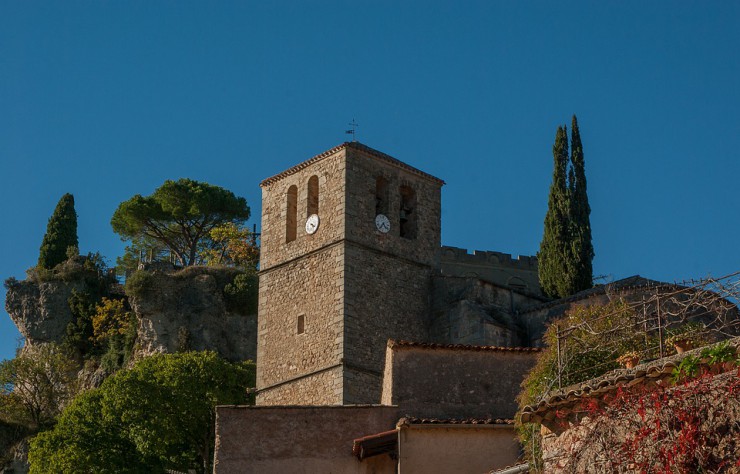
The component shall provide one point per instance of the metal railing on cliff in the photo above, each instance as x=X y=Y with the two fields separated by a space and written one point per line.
x=643 y=322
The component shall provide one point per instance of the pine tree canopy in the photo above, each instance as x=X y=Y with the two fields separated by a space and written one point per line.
x=61 y=233
x=180 y=215
x=566 y=251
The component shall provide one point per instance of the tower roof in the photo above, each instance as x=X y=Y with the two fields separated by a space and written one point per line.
x=355 y=146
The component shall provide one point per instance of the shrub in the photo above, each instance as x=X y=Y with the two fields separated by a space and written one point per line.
x=11 y=283
x=139 y=284
x=242 y=293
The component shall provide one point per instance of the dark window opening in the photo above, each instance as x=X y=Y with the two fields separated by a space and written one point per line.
x=407 y=216
x=381 y=196
x=312 y=204
x=301 y=324
x=291 y=218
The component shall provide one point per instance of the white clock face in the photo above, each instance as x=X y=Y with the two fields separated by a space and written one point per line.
x=382 y=223
x=312 y=223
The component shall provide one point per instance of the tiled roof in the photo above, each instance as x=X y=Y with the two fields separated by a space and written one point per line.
x=410 y=420
x=375 y=444
x=652 y=372
x=356 y=146
x=460 y=347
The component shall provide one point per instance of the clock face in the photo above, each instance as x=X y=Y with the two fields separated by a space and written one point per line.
x=382 y=223
x=312 y=223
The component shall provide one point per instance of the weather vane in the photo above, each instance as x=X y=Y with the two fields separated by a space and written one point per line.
x=353 y=130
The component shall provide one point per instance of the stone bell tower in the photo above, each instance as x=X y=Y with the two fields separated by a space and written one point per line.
x=350 y=240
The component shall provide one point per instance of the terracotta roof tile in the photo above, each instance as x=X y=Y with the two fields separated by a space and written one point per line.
x=460 y=347
x=356 y=146
x=411 y=420
x=653 y=372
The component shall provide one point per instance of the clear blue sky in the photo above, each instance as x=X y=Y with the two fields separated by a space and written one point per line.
x=107 y=99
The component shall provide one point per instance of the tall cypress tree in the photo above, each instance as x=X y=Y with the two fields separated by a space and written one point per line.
x=581 y=271
x=554 y=249
x=61 y=233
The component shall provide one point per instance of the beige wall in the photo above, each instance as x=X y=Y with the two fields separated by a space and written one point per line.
x=307 y=440
x=456 y=449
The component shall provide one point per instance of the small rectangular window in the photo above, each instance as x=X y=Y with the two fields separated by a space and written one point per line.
x=301 y=324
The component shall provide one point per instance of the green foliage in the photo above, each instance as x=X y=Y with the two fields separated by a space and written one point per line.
x=554 y=251
x=687 y=369
x=11 y=283
x=694 y=333
x=180 y=215
x=149 y=248
x=79 y=331
x=38 y=383
x=139 y=284
x=597 y=335
x=566 y=251
x=115 y=328
x=232 y=245
x=241 y=295
x=158 y=415
x=582 y=249
x=719 y=353
x=90 y=269
x=61 y=233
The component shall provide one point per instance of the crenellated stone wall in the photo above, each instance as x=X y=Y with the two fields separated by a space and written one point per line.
x=500 y=268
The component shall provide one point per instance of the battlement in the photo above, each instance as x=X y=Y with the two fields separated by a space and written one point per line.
x=487 y=257
x=496 y=267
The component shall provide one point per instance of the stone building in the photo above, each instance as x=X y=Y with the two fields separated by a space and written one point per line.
x=351 y=259
x=354 y=234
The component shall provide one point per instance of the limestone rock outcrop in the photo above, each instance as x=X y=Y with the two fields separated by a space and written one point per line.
x=40 y=310
x=186 y=309
x=189 y=308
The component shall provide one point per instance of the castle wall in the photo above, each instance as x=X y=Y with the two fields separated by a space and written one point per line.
x=496 y=267
x=310 y=287
x=432 y=380
x=477 y=312
x=301 y=439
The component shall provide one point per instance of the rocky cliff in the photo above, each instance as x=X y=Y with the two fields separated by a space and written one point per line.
x=40 y=310
x=187 y=309
x=193 y=309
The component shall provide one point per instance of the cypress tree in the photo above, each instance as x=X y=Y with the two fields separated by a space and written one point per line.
x=554 y=249
x=581 y=271
x=61 y=233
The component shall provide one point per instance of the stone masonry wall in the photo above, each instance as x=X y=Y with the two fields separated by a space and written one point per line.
x=331 y=174
x=385 y=298
x=496 y=267
x=322 y=388
x=363 y=171
x=455 y=381
x=310 y=287
x=302 y=278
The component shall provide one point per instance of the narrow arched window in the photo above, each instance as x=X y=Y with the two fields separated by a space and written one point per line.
x=291 y=217
x=407 y=215
x=381 y=196
x=312 y=204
